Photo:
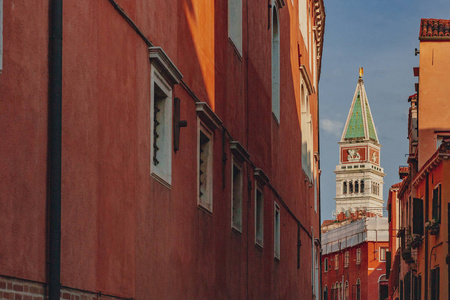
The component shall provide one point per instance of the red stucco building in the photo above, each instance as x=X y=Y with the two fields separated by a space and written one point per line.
x=420 y=269
x=188 y=146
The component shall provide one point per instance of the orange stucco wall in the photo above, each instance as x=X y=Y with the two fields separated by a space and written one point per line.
x=433 y=95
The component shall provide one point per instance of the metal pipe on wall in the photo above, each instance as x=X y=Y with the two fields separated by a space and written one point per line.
x=54 y=150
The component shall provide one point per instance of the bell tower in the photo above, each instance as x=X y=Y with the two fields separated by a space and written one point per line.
x=359 y=176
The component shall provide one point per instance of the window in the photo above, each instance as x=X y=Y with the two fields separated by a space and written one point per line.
x=235 y=23
x=347 y=259
x=259 y=216
x=205 y=167
x=382 y=256
x=435 y=284
x=236 y=201
x=161 y=128
x=358 y=289
x=325 y=293
x=336 y=262
x=362 y=186
x=346 y=292
x=307 y=131
x=275 y=63
x=276 y=238
x=350 y=185
x=356 y=187
x=436 y=210
x=325 y=265
x=164 y=75
x=344 y=188
x=418 y=216
x=358 y=256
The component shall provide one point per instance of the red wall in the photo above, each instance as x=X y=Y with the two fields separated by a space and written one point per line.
x=368 y=271
x=123 y=233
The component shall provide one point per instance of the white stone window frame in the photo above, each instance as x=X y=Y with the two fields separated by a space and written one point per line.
x=207 y=122
x=277 y=232
x=336 y=261
x=162 y=171
x=235 y=25
x=358 y=256
x=236 y=163
x=164 y=74
x=347 y=259
x=276 y=61
x=382 y=256
x=259 y=215
x=207 y=201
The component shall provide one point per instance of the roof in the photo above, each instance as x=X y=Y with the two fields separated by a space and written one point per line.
x=397 y=185
x=434 y=28
x=375 y=229
x=359 y=125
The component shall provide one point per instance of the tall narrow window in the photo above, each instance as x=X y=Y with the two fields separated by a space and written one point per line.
x=358 y=256
x=336 y=262
x=325 y=265
x=362 y=186
x=382 y=254
x=350 y=185
x=356 y=187
x=205 y=164
x=435 y=283
x=275 y=63
x=235 y=23
x=325 y=293
x=436 y=209
x=236 y=181
x=161 y=129
x=346 y=292
x=347 y=259
x=344 y=188
x=259 y=216
x=358 y=289
x=276 y=238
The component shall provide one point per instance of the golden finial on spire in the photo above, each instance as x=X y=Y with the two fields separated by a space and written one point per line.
x=361 y=72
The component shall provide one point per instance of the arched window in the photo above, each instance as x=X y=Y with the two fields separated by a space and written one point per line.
x=358 y=289
x=362 y=186
x=275 y=63
x=344 y=188
x=356 y=187
x=350 y=187
x=333 y=292
x=346 y=294
x=325 y=293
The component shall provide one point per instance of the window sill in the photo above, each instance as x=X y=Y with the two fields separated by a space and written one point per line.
x=276 y=259
x=161 y=180
x=204 y=208
x=238 y=53
x=277 y=122
x=236 y=230
x=258 y=246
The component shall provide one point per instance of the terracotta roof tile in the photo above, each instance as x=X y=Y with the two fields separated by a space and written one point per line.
x=397 y=185
x=432 y=28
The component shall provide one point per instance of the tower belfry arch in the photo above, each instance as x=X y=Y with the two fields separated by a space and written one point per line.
x=359 y=175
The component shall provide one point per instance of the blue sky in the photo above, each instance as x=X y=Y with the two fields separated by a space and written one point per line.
x=380 y=36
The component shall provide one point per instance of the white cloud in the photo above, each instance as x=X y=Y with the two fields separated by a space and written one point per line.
x=332 y=127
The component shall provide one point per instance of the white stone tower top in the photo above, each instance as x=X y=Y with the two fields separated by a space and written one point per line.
x=359 y=176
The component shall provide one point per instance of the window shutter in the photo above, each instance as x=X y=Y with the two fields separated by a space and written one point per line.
x=418 y=216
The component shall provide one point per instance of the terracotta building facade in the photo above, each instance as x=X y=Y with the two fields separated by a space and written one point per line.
x=185 y=159
x=420 y=268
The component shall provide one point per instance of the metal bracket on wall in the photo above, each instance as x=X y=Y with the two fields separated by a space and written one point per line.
x=177 y=124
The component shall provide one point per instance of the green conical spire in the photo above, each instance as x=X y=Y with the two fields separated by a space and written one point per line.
x=359 y=125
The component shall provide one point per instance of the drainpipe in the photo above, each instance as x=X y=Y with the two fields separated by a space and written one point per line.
x=54 y=150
